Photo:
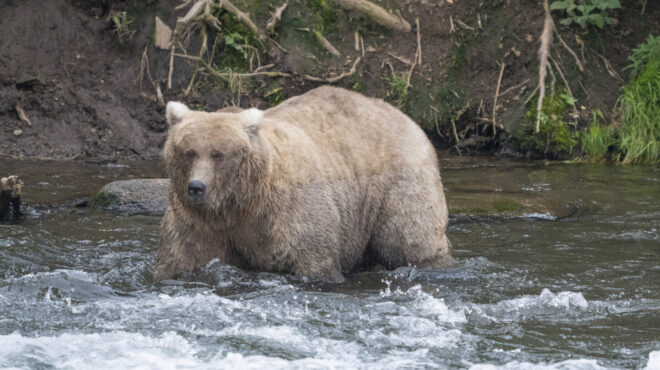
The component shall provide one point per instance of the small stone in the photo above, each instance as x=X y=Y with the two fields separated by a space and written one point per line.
x=17 y=132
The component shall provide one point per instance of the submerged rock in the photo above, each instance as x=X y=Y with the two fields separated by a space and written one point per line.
x=139 y=196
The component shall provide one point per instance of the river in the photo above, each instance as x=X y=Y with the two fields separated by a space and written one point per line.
x=575 y=289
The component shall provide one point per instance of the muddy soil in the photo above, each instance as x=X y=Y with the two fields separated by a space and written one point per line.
x=63 y=65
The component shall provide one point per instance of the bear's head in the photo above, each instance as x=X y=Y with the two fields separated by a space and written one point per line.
x=212 y=158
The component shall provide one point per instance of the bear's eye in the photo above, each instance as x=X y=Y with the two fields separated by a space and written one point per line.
x=218 y=156
x=190 y=153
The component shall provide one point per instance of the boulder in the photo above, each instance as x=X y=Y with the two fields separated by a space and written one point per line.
x=138 y=196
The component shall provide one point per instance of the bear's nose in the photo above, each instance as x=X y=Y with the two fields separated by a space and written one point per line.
x=196 y=188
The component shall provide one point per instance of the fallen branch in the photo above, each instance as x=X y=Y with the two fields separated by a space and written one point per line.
x=378 y=14
x=418 y=52
x=568 y=88
x=336 y=78
x=544 y=53
x=242 y=17
x=514 y=87
x=22 y=115
x=608 y=67
x=277 y=15
x=215 y=73
x=327 y=45
x=577 y=60
x=497 y=94
x=400 y=59
x=419 y=42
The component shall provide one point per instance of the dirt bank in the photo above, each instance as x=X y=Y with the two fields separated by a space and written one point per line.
x=69 y=85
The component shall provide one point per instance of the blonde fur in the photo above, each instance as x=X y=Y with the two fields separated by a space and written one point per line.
x=325 y=183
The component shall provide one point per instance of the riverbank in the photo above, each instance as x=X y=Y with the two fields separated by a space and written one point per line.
x=85 y=80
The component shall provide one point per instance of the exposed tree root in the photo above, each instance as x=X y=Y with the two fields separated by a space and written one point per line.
x=577 y=60
x=544 y=53
x=242 y=17
x=380 y=15
x=277 y=15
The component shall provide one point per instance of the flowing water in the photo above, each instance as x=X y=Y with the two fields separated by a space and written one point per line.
x=582 y=291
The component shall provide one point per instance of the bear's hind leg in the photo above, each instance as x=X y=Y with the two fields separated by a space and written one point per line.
x=410 y=230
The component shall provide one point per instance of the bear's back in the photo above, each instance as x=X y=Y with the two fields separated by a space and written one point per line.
x=364 y=134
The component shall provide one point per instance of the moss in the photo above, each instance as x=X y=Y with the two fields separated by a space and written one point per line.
x=468 y=211
x=507 y=206
x=103 y=200
x=275 y=94
x=556 y=137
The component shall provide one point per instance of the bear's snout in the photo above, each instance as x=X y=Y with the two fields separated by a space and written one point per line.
x=196 y=189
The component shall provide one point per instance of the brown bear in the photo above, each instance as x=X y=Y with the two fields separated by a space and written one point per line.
x=317 y=186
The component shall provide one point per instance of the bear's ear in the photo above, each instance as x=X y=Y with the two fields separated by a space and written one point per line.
x=175 y=112
x=253 y=118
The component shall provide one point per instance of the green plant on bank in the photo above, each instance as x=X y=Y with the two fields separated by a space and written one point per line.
x=649 y=50
x=397 y=87
x=585 y=12
x=556 y=138
x=639 y=106
x=122 y=26
x=598 y=140
x=433 y=106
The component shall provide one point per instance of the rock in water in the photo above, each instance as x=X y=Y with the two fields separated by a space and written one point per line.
x=139 y=196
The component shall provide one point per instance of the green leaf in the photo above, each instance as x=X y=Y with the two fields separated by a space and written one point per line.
x=598 y=20
x=566 y=21
x=558 y=5
x=581 y=20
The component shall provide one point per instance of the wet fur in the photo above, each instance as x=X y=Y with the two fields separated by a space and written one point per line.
x=324 y=183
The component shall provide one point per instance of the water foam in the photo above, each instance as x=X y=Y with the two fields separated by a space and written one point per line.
x=578 y=364
x=654 y=361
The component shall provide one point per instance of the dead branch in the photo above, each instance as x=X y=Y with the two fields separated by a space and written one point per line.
x=336 y=78
x=22 y=115
x=497 y=94
x=242 y=17
x=193 y=12
x=419 y=42
x=608 y=67
x=568 y=88
x=577 y=60
x=416 y=57
x=544 y=53
x=327 y=45
x=514 y=87
x=403 y=60
x=378 y=14
x=215 y=73
x=277 y=15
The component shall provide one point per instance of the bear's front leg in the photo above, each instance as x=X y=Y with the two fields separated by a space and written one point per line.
x=186 y=245
x=326 y=271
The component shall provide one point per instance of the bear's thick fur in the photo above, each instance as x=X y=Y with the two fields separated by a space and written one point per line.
x=317 y=186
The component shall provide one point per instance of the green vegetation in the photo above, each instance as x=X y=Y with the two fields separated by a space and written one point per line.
x=397 y=87
x=121 y=24
x=598 y=140
x=434 y=105
x=639 y=135
x=556 y=137
x=103 y=200
x=585 y=12
x=506 y=206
